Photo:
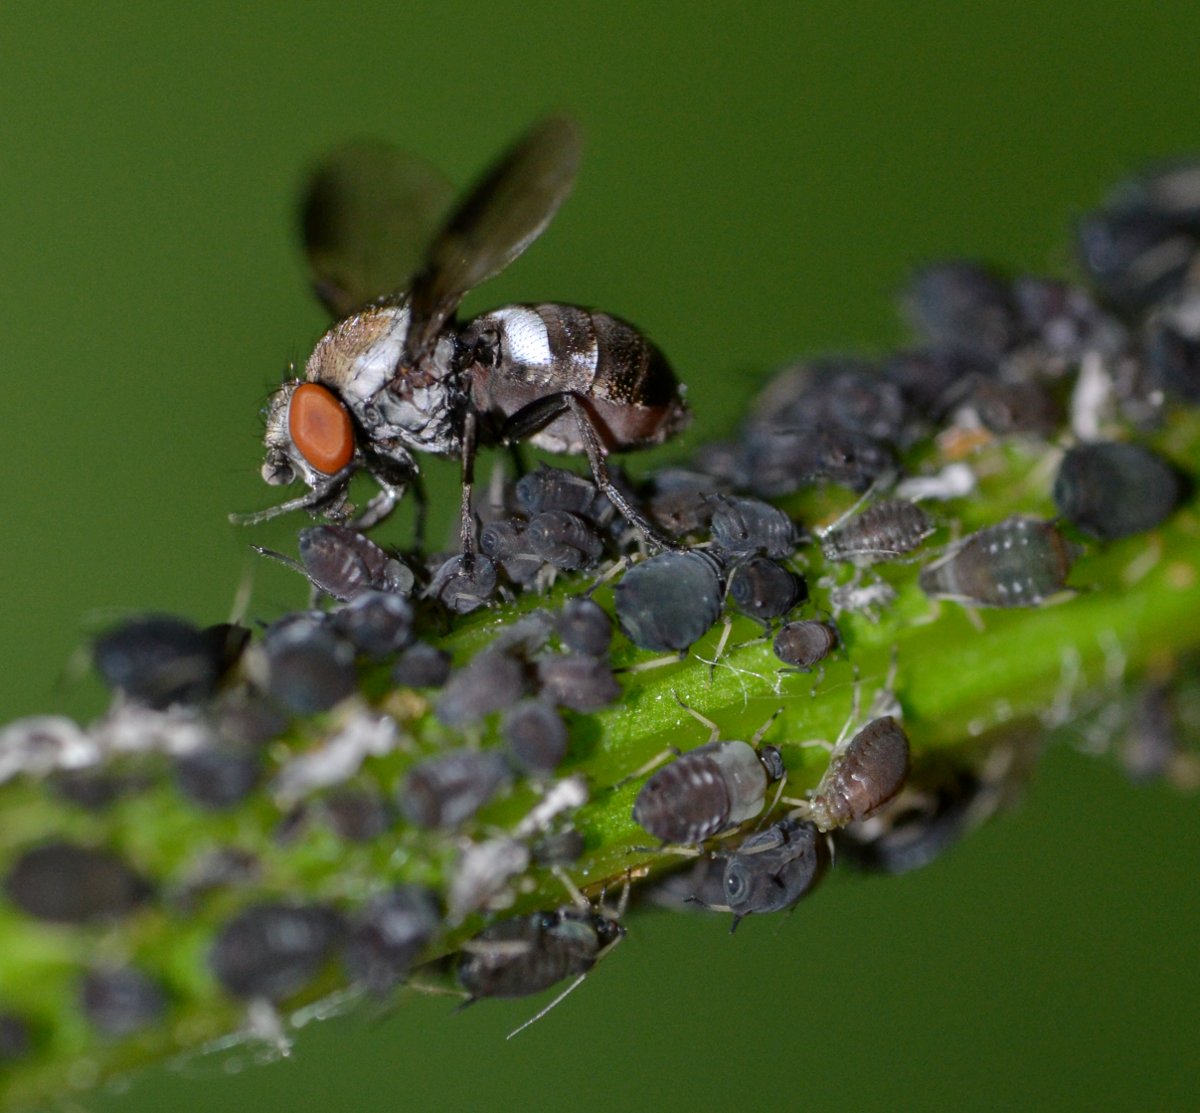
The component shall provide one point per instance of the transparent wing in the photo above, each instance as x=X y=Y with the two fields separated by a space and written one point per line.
x=498 y=219
x=367 y=215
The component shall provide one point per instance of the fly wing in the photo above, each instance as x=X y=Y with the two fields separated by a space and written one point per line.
x=367 y=215
x=497 y=220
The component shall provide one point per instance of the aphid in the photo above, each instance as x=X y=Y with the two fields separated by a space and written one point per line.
x=583 y=626
x=491 y=681
x=805 y=644
x=932 y=380
x=527 y=636
x=744 y=525
x=863 y=775
x=681 y=500
x=1111 y=490
x=65 y=883
x=561 y=538
x=274 y=950
x=422 y=666
x=1014 y=407
x=447 y=790
x=388 y=934
x=343 y=563
x=583 y=684
x=549 y=489
x=505 y=543
x=41 y=744
x=527 y=954
x=1065 y=318
x=464 y=583
x=308 y=666
x=535 y=736
x=94 y=789
x=1171 y=353
x=867 y=599
x=669 y=601
x=376 y=623
x=397 y=378
x=780 y=459
x=1134 y=256
x=159 y=660
x=1019 y=562
x=708 y=790
x=962 y=306
x=697 y=887
x=480 y=877
x=773 y=869
x=356 y=814
x=16 y=1039
x=765 y=590
x=883 y=531
x=218 y=777
x=246 y=718
x=120 y=1001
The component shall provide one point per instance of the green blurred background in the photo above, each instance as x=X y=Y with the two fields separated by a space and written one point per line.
x=758 y=179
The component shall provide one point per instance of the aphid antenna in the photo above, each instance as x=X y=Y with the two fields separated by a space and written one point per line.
x=657 y=760
x=718 y=651
x=280 y=558
x=654 y=663
x=879 y=483
x=715 y=731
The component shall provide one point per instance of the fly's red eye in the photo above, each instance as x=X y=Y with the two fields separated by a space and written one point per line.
x=320 y=428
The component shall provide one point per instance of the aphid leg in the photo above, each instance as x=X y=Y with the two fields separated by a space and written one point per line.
x=722 y=642
x=758 y=734
x=715 y=730
x=654 y=663
x=573 y=891
x=653 y=763
x=311 y=500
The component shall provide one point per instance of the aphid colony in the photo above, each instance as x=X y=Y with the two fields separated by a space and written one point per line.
x=224 y=715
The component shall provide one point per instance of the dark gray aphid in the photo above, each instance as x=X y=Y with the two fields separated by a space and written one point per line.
x=670 y=601
x=773 y=869
x=464 y=583
x=932 y=380
x=681 y=501
x=962 y=306
x=863 y=775
x=272 y=951
x=1005 y=408
x=554 y=489
x=583 y=684
x=344 y=563
x=697 y=887
x=806 y=643
x=16 y=1038
x=376 y=623
x=63 y=882
x=119 y=1001
x=447 y=790
x=1065 y=319
x=491 y=681
x=309 y=667
x=246 y=718
x=1111 y=490
x=159 y=660
x=1134 y=257
x=218 y=777
x=744 y=525
x=527 y=954
x=883 y=531
x=95 y=789
x=763 y=589
x=779 y=460
x=356 y=814
x=535 y=735
x=526 y=636
x=506 y=544
x=564 y=540
x=422 y=666
x=708 y=790
x=1019 y=562
x=388 y=934
x=1171 y=355
x=583 y=626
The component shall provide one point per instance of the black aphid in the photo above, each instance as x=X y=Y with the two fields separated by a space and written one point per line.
x=309 y=667
x=779 y=460
x=743 y=525
x=422 y=666
x=681 y=500
x=583 y=684
x=765 y=590
x=564 y=540
x=274 y=950
x=218 y=777
x=554 y=489
x=356 y=814
x=159 y=660
x=506 y=544
x=464 y=583
x=1015 y=407
x=1111 y=490
x=447 y=790
x=344 y=563
x=773 y=869
x=536 y=736
x=708 y=790
x=806 y=643
x=583 y=626
x=376 y=623
x=1135 y=256
x=120 y=1001
x=883 y=531
x=697 y=887
x=66 y=883
x=669 y=601
x=1018 y=563
x=863 y=775
x=387 y=935
x=490 y=681
x=962 y=306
